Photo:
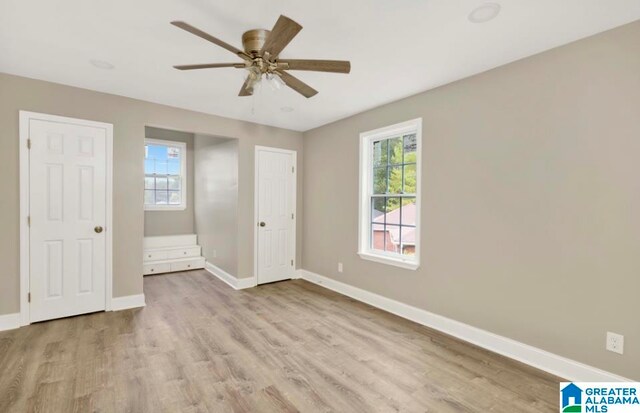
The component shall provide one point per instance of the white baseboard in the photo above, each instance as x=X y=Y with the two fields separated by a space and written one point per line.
x=9 y=321
x=535 y=357
x=233 y=282
x=126 y=302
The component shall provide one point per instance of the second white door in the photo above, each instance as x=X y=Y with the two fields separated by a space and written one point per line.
x=275 y=191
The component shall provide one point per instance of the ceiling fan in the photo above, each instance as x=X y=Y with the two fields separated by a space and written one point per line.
x=261 y=57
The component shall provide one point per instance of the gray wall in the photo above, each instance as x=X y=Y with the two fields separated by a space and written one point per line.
x=173 y=222
x=129 y=117
x=531 y=200
x=216 y=200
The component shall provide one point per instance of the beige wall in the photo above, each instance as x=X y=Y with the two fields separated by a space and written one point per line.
x=173 y=222
x=216 y=182
x=129 y=117
x=531 y=200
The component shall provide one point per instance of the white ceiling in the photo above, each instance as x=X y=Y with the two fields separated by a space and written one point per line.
x=397 y=47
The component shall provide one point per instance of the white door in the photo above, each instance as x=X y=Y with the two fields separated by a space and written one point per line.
x=67 y=209
x=275 y=191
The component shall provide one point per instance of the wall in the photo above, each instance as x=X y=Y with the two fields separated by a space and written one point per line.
x=173 y=222
x=216 y=176
x=129 y=117
x=531 y=200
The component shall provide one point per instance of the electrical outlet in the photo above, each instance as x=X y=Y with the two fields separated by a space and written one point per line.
x=339 y=267
x=615 y=342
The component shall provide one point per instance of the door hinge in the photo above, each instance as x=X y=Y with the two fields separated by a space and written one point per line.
x=29 y=221
x=29 y=297
x=292 y=216
x=293 y=169
x=28 y=143
x=292 y=263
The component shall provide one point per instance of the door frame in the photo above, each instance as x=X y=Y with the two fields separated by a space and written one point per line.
x=24 y=160
x=294 y=203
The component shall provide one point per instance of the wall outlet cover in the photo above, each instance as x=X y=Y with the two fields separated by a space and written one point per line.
x=615 y=342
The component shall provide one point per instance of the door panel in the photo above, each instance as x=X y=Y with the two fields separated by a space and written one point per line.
x=276 y=183
x=67 y=197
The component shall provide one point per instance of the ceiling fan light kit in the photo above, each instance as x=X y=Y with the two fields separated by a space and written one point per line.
x=261 y=58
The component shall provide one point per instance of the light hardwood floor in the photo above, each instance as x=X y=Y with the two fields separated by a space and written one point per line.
x=200 y=346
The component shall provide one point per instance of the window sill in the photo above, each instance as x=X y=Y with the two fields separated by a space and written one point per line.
x=163 y=208
x=408 y=265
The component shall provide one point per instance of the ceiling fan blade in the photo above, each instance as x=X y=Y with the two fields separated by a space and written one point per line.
x=297 y=84
x=335 y=66
x=283 y=31
x=208 y=37
x=209 y=66
x=245 y=90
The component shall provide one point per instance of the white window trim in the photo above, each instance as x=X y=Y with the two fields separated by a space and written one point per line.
x=366 y=181
x=183 y=176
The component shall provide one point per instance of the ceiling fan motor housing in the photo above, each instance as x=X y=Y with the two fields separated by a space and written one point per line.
x=253 y=40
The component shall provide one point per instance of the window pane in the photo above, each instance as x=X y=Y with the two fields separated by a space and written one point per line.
x=377 y=209
x=149 y=167
x=174 y=197
x=161 y=197
x=380 y=153
x=379 y=180
x=395 y=180
x=409 y=179
x=149 y=198
x=173 y=167
x=408 y=245
x=149 y=183
x=395 y=150
x=173 y=153
x=161 y=167
x=174 y=182
x=377 y=237
x=377 y=225
x=392 y=209
x=410 y=146
x=392 y=243
x=409 y=211
x=161 y=183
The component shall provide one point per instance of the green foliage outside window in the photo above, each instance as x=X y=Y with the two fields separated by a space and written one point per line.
x=394 y=171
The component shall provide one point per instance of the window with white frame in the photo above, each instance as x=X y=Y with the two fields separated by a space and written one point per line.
x=165 y=175
x=390 y=194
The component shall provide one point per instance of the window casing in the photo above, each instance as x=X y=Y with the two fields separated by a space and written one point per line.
x=165 y=175
x=390 y=194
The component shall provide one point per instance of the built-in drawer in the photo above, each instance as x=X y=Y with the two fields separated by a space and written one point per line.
x=185 y=252
x=151 y=255
x=156 y=268
x=185 y=265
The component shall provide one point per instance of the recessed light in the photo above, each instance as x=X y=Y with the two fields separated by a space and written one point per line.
x=101 y=64
x=286 y=109
x=484 y=13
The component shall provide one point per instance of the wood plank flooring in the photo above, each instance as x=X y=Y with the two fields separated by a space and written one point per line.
x=200 y=346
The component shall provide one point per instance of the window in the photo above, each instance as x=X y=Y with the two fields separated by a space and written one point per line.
x=165 y=175
x=390 y=194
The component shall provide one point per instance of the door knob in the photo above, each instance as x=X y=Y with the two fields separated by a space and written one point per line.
x=262 y=224
x=98 y=229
